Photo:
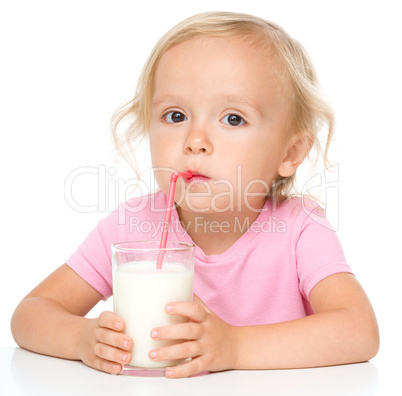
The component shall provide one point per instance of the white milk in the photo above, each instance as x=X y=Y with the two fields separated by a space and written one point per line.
x=140 y=294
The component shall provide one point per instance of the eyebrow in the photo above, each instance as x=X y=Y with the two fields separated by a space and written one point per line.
x=226 y=99
x=242 y=100
x=165 y=98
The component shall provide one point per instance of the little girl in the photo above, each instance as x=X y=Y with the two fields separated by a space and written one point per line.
x=234 y=100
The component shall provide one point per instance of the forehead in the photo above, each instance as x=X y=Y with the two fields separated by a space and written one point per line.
x=206 y=49
x=220 y=63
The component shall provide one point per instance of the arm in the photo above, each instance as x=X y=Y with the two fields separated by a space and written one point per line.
x=343 y=329
x=50 y=320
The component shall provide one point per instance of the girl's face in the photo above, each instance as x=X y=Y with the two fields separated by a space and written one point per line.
x=219 y=111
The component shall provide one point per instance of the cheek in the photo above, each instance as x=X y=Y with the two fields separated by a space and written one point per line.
x=159 y=150
x=162 y=178
x=159 y=165
x=258 y=170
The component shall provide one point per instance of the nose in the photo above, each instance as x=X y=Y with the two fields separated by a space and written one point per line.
x=198 y=142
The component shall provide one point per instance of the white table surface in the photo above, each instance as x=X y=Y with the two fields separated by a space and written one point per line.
x=27 y=373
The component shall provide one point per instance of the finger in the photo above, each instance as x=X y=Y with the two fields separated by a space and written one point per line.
x=193 y=367
x=106 y=366
x=111 y=320
x=193 y=310
x=178 y=351
x=113 y=338
x=181 y=331
x=111 y=354
x=199 y=301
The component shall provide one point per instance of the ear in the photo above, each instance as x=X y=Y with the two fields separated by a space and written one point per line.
x=296 y=151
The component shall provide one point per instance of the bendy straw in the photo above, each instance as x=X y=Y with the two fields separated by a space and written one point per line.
x=168 y=213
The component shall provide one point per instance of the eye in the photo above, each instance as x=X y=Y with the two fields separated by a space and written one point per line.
x=233 y=120
x=174 y=117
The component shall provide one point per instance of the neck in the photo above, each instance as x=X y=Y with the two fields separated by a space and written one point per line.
x=214 y=233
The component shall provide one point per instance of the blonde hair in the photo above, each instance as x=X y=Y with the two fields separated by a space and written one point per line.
x=310 y=112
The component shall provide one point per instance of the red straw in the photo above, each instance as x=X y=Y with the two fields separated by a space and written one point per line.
x=168 y=213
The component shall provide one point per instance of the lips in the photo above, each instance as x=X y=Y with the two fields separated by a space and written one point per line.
x=197 y=176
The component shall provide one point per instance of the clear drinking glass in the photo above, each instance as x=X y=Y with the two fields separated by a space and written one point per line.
x=141 y=292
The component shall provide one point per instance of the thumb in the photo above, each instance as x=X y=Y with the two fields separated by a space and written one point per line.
x=199 y=301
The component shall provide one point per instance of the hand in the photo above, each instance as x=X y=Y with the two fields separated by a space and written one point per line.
x=104 y=346
x=209 y=341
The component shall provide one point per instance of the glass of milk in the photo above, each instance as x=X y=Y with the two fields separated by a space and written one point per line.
x=141 y=292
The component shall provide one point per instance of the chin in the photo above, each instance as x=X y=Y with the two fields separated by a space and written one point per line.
x=205 y=205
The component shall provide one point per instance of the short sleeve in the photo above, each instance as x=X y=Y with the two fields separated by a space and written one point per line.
x=319 y=253
x=135 y=219
x=92 y=260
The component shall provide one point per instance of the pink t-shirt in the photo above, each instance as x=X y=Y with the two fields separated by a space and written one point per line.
x=265 y=277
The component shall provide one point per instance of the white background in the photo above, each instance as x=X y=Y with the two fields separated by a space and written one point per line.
x=66 y=66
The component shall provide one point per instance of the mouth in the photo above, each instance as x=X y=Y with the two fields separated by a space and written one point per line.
x=197 y=176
